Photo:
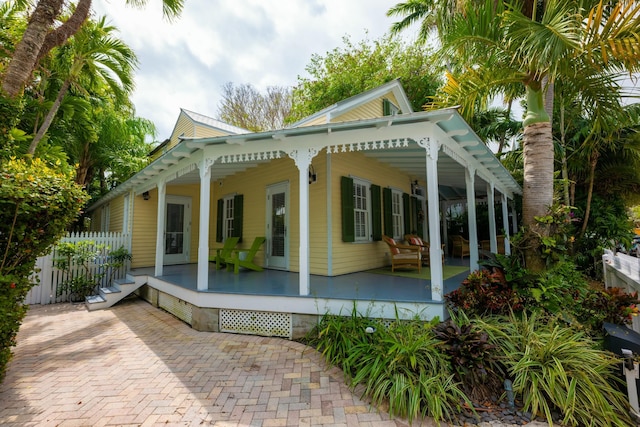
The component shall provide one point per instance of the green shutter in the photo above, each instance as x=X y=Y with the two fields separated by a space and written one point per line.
x=219 y=236
x=386 y=107
x=406 y=211
x=348 y=221
x=376 y=213
x=238 y=208
x=388 y=211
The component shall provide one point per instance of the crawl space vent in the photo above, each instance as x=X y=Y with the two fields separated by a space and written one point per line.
x=256 y=323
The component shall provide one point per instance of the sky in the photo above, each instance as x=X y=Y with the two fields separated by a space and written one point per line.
x=185 y=63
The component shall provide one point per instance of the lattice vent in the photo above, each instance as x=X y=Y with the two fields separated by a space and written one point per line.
x=181 y=309
x=256 y=323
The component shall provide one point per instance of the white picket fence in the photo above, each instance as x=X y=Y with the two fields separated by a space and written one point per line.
x=48 y=277
x=622 y=271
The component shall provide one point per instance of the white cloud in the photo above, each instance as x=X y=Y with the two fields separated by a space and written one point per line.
x=184 y=63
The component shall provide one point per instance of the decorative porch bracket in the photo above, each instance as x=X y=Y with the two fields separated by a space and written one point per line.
x=162 y=215
x=203 y=234
x=302 y=158
x=432 y=147
x=470 y=178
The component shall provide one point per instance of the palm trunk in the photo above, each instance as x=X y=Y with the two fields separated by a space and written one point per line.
x=49 y=118
x=38 y=40
x=23 y=61
x=84 y=164
x=538 y=176
x=565 y=168
x=587 y=209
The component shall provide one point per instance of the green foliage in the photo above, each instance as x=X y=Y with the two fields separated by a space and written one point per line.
x=37 y=203
x=608 y=224
x=87 y=265
x=611 y=305
x=356 y=68
x=400 y=364
x=472 y=357
x=555 y=368
x=560 y=225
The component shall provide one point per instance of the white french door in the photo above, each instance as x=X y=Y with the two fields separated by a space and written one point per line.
x=177 y=233
x=277 y=244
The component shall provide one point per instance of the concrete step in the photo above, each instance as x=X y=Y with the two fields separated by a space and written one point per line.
x=108 y=296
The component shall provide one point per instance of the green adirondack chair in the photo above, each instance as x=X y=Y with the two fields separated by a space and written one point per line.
x=224 y=252
x=244 y=257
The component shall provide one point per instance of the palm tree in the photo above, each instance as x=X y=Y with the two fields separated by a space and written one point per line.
x=583 y=43
x=93 y=56
x=43 y=34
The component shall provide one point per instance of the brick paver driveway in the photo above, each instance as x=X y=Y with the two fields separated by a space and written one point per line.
x=134 y=364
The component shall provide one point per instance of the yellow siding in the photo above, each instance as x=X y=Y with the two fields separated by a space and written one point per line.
x=207 y=132
x=318 y=121
x=184 y=127
x=352 y=257
x=116 y=214
x=370 y=110
x=143 y=241
x=96 y=219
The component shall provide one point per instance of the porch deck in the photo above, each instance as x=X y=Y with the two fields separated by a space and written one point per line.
x=364 y=286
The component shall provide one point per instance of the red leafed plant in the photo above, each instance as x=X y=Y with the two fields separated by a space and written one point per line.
x=484 y=292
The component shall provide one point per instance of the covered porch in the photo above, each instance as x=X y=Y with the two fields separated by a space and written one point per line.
x=269 y=302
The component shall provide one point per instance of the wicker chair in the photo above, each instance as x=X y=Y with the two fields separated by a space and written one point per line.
x=460 y=246
x=403 y=256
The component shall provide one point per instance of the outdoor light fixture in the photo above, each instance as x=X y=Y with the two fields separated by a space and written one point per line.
x=145 y=195
x=312 y=175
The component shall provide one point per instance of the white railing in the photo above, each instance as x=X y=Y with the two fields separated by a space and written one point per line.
x=622 y=271
x=49 y=277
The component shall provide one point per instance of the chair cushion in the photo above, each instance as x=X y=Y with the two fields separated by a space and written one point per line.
x=415 y=241
x=408 y=255
x=394 y=249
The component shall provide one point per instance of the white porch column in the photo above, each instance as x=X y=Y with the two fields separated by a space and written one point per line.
x=433 y=211
x=203 y=233
x=302 y=159
x=493 y=241
x=162 y=217
x=471 y=214
x=505 y=223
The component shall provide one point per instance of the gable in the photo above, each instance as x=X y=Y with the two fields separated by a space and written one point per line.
x=367 y=105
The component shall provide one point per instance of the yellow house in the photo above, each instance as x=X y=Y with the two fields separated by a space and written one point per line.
x=322 y=192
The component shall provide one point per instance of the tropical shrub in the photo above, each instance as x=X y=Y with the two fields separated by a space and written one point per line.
x=401 y=365
x=612 y=305
x=404 y=366
x=87 y=265
x=37 y=203
x=556 y=368
x=484 y=292
x=472 y=357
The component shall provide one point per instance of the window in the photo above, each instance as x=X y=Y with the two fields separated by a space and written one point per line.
x=389 y=108
x=229 y=217
x=361 y=210
x=397 y=214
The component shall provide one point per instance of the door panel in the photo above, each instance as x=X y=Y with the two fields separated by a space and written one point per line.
x=177 y=236
x=277 y=226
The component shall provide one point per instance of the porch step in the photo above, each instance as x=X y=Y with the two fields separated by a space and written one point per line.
x=108 y=296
